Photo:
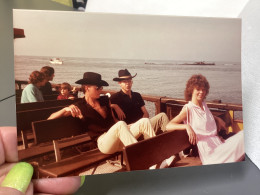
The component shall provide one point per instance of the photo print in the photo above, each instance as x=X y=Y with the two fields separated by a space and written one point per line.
x=103 y=93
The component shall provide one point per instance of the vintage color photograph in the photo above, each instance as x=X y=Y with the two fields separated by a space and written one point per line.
x=104 y=93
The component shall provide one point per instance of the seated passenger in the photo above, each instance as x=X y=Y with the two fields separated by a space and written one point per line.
x=31 y=92
x=96 y=114
x=65 y=90
x=49 y=75
x=202 y=129
x=130 y=106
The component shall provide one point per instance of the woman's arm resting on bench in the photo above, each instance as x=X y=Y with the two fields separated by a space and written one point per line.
x=176 y=124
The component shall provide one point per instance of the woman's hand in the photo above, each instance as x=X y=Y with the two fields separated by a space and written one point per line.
x=15 y=178
x=191 y=134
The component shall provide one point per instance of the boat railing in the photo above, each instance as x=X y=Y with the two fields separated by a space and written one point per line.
x=172 y=106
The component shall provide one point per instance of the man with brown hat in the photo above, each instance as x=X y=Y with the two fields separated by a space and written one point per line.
x=129 y=106
x=97 y=117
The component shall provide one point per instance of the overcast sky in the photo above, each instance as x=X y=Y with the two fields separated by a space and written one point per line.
x=92 y=35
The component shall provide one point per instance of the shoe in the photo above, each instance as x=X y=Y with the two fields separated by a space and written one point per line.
x=152 y=167
x=169 y=162
x=81 y=9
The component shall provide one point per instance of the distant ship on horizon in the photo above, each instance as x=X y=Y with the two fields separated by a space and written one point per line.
x=199 y=63
x=183 y=63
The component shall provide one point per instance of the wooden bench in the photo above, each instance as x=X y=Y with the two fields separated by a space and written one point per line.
x=74 y=165
x=18 y=99
x=40 y=150
x=64 y=132
x=20 y=83
x=45 y=104
x=45 y=97
x=18 y=93
x=233 y=125
x=144 y=154
x=25 y=119
x=45 y=131
x=48 y=130
x=173 y=109
x=178 y=107
x=50 y=97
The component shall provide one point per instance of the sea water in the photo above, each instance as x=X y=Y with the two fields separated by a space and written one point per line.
x=154 y=77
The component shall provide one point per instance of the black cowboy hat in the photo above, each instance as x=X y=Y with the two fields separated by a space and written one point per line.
x=124 y=75
x=92 y=78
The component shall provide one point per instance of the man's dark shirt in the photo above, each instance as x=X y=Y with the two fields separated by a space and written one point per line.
x=46 y=89
x=130 y=106
x=92 y=120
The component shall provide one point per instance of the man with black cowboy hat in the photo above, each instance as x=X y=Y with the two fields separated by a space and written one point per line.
x=130 y=107
x=96 y=114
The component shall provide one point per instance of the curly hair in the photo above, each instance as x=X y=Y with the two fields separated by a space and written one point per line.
x=196 y=81
x=47 y=70
x=66 y=86
x=36 y=77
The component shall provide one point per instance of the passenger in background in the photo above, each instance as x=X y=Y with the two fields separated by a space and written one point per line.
x=65 y=90
x=31 y=92
x=49 y=74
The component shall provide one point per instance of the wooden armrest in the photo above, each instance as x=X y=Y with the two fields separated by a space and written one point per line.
x=67 y=142
x=24 y=139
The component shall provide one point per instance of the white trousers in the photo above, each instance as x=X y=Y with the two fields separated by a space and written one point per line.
x=120 y=135
x=159 y=121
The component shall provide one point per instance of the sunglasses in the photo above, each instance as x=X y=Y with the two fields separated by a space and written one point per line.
x=127 y=81
x=99 y=88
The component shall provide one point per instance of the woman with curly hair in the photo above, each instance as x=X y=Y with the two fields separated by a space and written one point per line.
x=31 y=92
x=200 y=124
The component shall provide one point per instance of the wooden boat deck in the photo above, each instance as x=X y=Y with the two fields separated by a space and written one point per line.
x=106 y=167
x=171 y=107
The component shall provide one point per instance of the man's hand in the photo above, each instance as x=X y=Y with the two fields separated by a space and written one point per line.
x=129 y=125
x=74 y=110
x=119 y=112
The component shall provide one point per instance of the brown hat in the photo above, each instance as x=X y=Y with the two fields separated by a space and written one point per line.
x=124 y=75
x=92 y=78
